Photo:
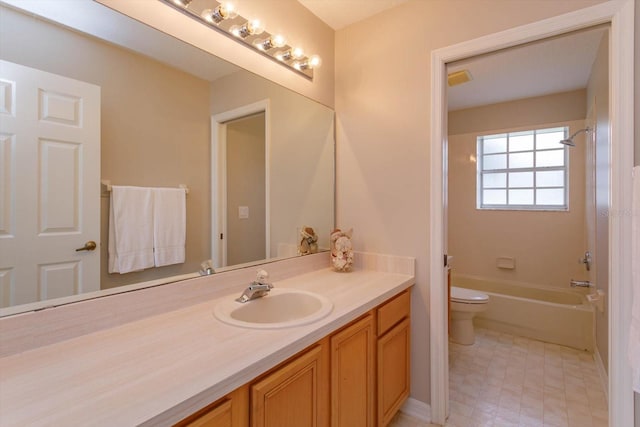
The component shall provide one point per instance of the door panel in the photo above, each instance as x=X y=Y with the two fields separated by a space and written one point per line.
x=49 y=147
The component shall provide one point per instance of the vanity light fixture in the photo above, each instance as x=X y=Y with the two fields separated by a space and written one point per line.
x=225 y=10
x=313 y=62
x=250 y=28
x=271 y=42
x=288 y=55
x=182 y=3
x=224 y=17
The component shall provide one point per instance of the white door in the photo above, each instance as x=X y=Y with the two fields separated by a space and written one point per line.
x=49 y=185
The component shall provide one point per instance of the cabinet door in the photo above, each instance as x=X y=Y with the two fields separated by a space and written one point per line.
x=352 y=375
x=230 y=411
x=291 y=396
x=393 y=371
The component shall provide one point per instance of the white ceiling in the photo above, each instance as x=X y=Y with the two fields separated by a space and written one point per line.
x=554 y=65
x=341 y=13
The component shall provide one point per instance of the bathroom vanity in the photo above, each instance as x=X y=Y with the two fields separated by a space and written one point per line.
x=178 y=364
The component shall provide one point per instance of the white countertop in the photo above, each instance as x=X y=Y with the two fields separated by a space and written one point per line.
x=160 y=369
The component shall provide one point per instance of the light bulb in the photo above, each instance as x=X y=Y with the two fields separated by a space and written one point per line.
x=249 y=28
x=271 y=42
x=288 y=55
x=255 y=27
x=297 y=53
x=278 y=40
x=220 y=13
x=315 y=61
x=228 y=9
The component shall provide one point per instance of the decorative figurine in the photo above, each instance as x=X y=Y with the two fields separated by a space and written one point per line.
x=309 y=242
x=341 y=250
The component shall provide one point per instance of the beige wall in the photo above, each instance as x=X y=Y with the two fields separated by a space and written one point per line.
x=154 y=130
x=301 y=155
x=382 y=105
x=598 y=104
x=544 y=244
x=526 y=112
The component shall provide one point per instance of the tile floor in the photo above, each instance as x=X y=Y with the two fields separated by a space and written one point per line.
x=504 y=381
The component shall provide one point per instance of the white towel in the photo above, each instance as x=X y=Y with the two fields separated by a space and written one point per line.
x=130 y=229
x=169 y=225
x=634 y=332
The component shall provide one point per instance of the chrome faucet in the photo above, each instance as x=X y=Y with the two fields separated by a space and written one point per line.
x=581 y=283
x=258 y=288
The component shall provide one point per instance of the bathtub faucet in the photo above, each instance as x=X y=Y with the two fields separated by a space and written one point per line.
x=581 y=283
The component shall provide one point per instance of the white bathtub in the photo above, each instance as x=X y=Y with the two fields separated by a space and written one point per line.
x=559 y=316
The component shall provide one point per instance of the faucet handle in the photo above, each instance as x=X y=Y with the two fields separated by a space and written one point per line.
x=262 y=276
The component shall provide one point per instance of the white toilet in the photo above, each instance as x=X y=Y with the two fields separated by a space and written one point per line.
x=465 y=303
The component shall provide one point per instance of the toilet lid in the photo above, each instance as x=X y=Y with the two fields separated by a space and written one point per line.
x=468 y=296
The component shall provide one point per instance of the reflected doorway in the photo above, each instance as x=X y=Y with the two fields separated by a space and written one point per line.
x=240 y=185
x=246 y=199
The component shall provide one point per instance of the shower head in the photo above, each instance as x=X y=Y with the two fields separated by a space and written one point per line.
x=569 y=141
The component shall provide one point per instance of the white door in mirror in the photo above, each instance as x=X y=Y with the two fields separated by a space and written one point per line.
x=50 y=148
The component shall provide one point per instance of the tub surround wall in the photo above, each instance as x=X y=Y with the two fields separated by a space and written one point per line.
x=598 y=103
x=545 y=244
x=127 y=373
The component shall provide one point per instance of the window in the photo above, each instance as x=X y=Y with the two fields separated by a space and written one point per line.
x=523 y=170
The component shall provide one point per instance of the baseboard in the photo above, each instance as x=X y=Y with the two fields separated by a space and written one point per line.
x=417 y=409
x=604 y=378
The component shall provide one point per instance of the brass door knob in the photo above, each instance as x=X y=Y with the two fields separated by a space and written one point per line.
x=89 y=246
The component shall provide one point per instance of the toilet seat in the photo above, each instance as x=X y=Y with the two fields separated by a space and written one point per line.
x=468 y=296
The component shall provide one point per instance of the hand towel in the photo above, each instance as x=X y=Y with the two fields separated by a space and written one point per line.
x=169 y=225
x=634 y=332
x=130 y=229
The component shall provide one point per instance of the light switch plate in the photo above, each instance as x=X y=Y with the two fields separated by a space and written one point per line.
x=243 y=212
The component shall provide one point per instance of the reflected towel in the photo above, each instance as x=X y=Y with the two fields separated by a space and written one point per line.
x=634 y=332
x=130 y=229
x=169 y=225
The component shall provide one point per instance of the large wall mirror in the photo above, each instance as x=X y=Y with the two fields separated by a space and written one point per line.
x=169 y=114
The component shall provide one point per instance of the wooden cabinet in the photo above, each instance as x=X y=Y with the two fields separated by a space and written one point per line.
x=230 y=411
x=356 y=377
x=353 y=375
x=393 y=354
x=293 y=395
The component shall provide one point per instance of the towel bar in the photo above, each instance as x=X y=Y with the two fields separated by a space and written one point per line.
x=106 y=186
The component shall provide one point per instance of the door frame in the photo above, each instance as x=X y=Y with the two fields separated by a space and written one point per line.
x=620 y=15
x=219 y=173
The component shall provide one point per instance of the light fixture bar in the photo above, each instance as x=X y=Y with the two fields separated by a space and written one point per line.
x=225 y=19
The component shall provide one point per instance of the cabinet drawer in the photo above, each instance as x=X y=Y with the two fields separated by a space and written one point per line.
x=393 y=312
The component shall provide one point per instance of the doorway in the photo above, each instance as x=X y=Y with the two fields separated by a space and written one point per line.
x=245 y=182
x=240 y=185
x=620 y=15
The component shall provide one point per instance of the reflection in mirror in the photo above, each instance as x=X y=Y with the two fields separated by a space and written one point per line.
x=158 y=98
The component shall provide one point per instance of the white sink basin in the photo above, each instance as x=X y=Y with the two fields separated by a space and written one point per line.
x=281 y=308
